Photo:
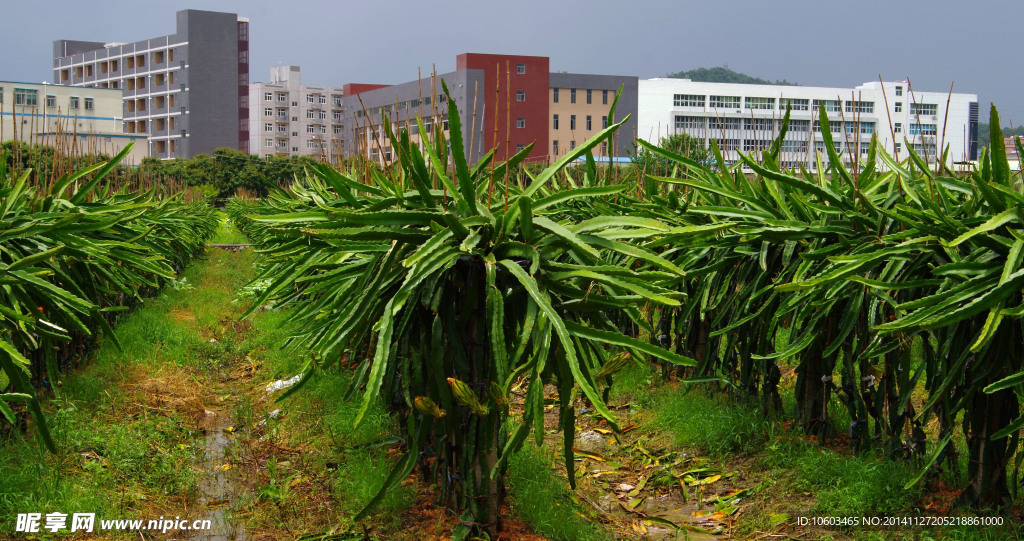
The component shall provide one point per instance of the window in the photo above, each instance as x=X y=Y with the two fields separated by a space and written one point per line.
x=899 y=147
x=860 y=107
x=51 y=100
x=337 y=130
x=268 y=127
x=282 y=128
x=799 y=125
x=589 y=126
x=268 y=96
x=589 y=94
x=519 y=148
x=554 y=119
x=323 y=130
x=751 y=145
x=322 y=100
x=604 y=97
x=899 y=90
x=73 y=102
x=337 y=100
x=794 y=146
x=689 y=122
x=310 y=114
x=604 y=148
x=268 y=111
x=922 y=129
x=688 y=100
x=924 y=109
x=572 y=145
x=158 y=57
x=759 y=124
x=309 y=98
x=322 y=115
x=89 y=104
x=572 y=95
x=867 y=127
x=336 y=116
x=898 y=107
x=310 y=129
x=728 y=144
x=831 y=106
x=554 y=95
x=572 y=122
x=27 y=96
x=520 y=122
x=724 y=124
x=898 y=128
x=759 y=103
x=520 y=68
x=725 y=102
x=554 y=146
x=795 y=104
x=604 y=122
x=520 y=95
x=269 y=143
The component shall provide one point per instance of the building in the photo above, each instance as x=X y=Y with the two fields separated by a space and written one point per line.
x=1012 y=156
x=188 y=90
x=506 y=103
x=289 y=119
x=747 y=118
x=579 y=106
x=75 y=120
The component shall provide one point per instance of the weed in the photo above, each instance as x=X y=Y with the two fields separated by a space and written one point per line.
x=543 y=499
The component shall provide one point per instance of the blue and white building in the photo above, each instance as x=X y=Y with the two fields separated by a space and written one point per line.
x=746 y=118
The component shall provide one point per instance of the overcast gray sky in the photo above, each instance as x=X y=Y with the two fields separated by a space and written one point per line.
x=975 y=45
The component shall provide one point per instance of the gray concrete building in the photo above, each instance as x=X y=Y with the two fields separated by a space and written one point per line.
x=188 y=90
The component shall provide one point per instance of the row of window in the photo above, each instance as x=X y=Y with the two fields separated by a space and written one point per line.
x=282 y=115
x=685 y=122
x=311 y=129
x=131 y=62
x=159 y=125
x=572 y=146
x=400 y=106
x=796 y=104
x=29 y=97
x=572 y=96
x=572 y=122
x=282 y=143
x=314 y=98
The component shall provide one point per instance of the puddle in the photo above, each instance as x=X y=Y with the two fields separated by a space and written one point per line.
x=217 y=488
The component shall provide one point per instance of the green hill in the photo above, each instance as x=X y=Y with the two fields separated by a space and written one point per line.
x=724 y=75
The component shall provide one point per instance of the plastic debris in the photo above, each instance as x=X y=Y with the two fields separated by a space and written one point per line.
x=282 y=384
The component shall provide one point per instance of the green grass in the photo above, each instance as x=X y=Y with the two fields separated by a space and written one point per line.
x=542 y=498
x=713 y=424
x=228 y=233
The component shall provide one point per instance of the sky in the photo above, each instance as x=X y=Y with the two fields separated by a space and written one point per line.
x=976 y=46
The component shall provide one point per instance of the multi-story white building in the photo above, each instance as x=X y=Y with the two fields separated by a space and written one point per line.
x=746 y=118
x=289 y=119
x=76 y=120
